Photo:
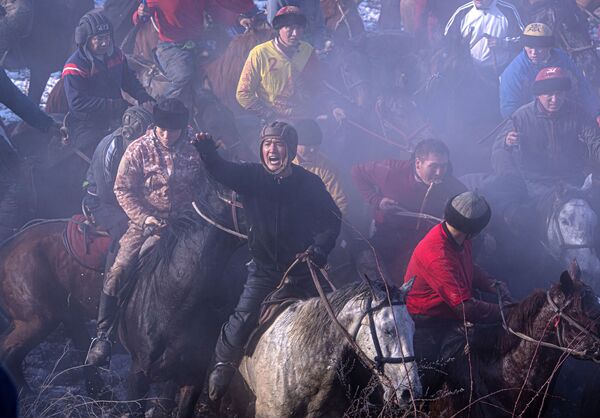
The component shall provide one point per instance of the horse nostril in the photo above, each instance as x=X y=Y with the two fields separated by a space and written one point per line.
x=405 y=396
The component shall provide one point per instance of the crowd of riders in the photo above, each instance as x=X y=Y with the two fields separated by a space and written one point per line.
x=150 y=155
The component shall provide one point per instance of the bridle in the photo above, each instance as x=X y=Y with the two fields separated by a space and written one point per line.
x=560 y=318
x=380 y=360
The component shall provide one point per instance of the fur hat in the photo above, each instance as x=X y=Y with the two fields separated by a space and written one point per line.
x=551 y=79
x=170 y=114
x=289 y=15
x=538 y=35
x=92 y=23
x=468 y=212
x=309 y=132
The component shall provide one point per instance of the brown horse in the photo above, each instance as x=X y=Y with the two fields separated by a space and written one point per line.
x=511 y=371
x=41 y=286
x=342 y=19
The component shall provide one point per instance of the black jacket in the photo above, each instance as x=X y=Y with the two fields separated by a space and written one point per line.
x=285 y=216
x=100 y=181
x=551 y=147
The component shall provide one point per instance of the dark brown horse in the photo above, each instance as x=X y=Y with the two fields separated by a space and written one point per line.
x=27 y=25
x=511 y=372
x=169 y=324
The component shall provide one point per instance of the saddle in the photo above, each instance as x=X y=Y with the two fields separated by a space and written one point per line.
x=88 y=246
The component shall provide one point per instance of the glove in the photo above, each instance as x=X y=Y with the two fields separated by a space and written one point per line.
x=204 y=143
x=317 y=256
x=146 y=98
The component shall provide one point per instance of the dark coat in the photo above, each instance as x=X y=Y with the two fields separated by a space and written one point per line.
x=551 y=147
x=100 y=178
x=284 y=215
x=94 y=91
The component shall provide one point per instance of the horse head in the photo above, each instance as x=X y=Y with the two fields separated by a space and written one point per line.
x=385 y=335
x=576 y=310
x=571 y=232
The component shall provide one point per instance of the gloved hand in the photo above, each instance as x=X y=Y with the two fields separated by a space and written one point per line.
x=204 y=143
x=317 y=256
x=146 y=98
x=505 y=295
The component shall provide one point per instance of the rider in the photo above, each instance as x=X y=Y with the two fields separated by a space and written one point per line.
x=309 y=158
x=101 y=199
x=442 y=295
x=154 y=183
x=180 y=26
x=94 y=77
x=289 y=212
x=545 y=144
x=422 y=184
x=539 y=52
x=315 y=21
x=485 y=26
x=280 y=77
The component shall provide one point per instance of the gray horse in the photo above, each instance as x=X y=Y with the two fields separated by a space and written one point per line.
x=311 y=355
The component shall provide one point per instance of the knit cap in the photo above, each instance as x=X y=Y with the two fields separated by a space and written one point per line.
x=538 y=35
x=468 y=212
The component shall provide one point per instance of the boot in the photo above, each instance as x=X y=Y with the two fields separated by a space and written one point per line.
x=219 y=380
x=99 y=352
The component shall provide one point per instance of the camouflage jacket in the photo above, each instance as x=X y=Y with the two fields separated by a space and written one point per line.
x=154 y=180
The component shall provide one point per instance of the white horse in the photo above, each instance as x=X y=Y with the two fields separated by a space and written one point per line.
x=300 y=365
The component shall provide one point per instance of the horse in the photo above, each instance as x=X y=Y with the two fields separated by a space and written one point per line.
x=169 y=324
x=27 y=24
x=509 y=370
x=342 y=20
x=570 y=27
x=313 y=355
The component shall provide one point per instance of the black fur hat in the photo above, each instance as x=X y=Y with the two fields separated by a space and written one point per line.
x=170 y=114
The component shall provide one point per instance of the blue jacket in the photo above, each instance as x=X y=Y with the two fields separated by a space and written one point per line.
x=517 y=78
x=94 y=91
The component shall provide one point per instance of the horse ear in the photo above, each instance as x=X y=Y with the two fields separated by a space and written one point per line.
x=406 y=288
x=574 y=270
x=566 y=283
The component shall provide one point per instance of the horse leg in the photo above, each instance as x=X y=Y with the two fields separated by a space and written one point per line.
x=137 y=388
x=166 y=403
x=188 y=396
x=94 y=384
x=20 y=339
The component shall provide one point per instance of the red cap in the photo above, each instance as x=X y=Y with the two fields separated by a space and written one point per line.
x=288 y=9
x=550 y=73
x=551 y=79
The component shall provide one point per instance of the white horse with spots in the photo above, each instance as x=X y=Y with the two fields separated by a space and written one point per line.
x=304 y=366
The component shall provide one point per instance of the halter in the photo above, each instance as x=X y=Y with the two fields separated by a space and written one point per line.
x=558 y=315
x=380 y=360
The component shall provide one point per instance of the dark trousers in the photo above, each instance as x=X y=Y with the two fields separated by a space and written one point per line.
x=9 y=207
x=179 y=64
x=259 y=285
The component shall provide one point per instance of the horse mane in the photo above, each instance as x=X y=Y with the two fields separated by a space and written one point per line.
x=224 y=72
x=312 y=321
x=157 y=259
x=520 y=317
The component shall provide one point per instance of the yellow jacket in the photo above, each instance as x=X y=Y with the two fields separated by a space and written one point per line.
x=271 y=79
x=323 y=168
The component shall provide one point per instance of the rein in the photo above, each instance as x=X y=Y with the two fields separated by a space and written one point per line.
x=558 y=315
x=217 y=225
x=376 y=366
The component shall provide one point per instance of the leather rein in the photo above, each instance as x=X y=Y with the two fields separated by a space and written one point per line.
x=560 y=317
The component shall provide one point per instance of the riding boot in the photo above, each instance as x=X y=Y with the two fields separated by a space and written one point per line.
x=99 y=352
x=219 y=380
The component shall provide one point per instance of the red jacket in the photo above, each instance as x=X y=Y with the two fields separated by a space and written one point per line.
x=445 y=275
x=183 y=20
x=395 y=179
